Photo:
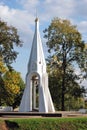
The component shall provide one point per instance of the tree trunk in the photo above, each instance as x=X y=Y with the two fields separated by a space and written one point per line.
x=0 y=101
x=63 y=93
x=63 y=80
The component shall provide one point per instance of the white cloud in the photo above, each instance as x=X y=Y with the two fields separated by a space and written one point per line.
x=83 y=26
x=81 y=9
x=21 y=19
x=48 y=9
x=5 y=12
x=59 y=8
x=15 y=16
x=29 y=5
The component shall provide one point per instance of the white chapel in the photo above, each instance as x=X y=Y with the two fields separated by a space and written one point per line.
x=36 y=96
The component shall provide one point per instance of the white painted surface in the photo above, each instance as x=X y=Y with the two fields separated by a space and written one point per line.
x=37 y=67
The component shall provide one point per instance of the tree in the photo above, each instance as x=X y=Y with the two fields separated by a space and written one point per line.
x=67 y=51
x=9 y=38
x=14 y=87
x=55 y=85
x=11 y=84
x=2 y=88
x=73 y=92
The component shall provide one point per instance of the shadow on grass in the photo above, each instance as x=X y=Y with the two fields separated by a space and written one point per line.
x=11 y=125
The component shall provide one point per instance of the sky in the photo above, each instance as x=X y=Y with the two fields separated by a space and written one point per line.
x=22 y=13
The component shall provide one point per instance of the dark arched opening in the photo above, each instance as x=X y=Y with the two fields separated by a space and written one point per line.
x=35 y=92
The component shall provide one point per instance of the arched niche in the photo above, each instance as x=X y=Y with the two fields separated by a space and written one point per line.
x=35 y=83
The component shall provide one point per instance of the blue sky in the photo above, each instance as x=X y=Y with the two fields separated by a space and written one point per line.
x=22 y=13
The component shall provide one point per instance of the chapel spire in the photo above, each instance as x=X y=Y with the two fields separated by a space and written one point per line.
x=36 y=79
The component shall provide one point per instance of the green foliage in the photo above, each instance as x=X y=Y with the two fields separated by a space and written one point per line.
x=11 y=83
x=14 y=86
x=73 y=93
x=47 y=124
x=55 y=86
x=67 y=52
x=9 y=38
x=74 y=104
x=11 y=86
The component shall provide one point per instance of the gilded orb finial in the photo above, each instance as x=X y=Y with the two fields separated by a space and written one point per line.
x=36 y=19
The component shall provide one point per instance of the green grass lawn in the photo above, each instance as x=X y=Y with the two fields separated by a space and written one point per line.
x=45 y=124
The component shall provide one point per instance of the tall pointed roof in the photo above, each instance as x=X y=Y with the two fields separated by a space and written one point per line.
x=37 y=60
x=37 y=67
